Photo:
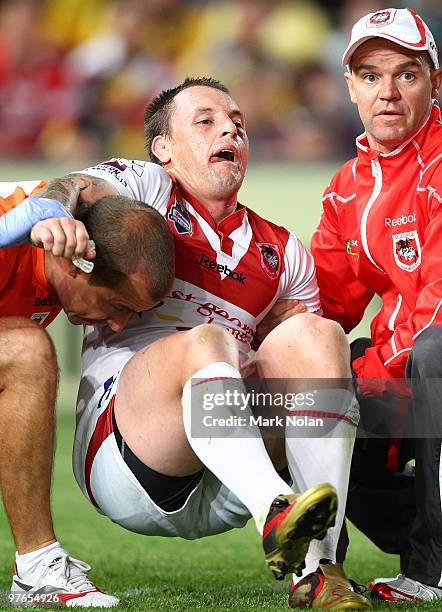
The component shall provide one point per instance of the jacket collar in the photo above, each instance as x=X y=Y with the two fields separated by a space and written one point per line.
x=365 y=153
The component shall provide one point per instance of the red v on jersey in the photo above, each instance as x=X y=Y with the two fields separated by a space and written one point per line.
x=229 y=265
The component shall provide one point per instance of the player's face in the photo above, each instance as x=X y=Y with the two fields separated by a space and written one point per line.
x=208 y=144
x=393 y=88
x=89 y=304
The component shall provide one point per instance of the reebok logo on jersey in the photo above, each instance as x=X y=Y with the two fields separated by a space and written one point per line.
x=45 y=301
x=222 y=269
x=395 y=221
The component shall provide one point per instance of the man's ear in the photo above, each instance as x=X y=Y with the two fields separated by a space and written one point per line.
x=73 y=271
x=436 y=80
x=161 y=148
x=351 y=90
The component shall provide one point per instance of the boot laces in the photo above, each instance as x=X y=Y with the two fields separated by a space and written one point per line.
x=72 y=571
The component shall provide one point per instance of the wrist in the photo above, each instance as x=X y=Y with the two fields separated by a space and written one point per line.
x=17 y=223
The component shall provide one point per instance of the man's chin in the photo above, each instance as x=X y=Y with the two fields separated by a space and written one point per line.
x=77 y=320
x=74 y=319
x=229 y=182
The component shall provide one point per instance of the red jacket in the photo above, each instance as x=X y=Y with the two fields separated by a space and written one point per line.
x=381 y=233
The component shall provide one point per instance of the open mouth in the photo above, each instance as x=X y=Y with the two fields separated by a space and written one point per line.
x=223 y=155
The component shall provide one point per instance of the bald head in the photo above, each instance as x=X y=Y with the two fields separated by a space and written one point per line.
x=129 y=237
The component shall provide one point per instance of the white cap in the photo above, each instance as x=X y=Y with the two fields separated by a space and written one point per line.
x=402 y=26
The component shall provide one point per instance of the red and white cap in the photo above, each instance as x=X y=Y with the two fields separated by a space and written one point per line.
x=402 y=26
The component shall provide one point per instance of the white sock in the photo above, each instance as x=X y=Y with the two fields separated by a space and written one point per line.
x=241 y=464
x=325 y=459
x=27 y=563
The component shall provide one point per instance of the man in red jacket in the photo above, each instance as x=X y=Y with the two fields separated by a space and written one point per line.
x=379 y=234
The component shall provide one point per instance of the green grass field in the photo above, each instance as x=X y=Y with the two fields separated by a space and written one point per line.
x=224 y=572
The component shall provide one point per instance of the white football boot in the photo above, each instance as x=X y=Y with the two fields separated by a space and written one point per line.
x=59 y=581
x=402 y=588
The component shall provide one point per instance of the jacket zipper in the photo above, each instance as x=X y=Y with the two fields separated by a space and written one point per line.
x=376 y=172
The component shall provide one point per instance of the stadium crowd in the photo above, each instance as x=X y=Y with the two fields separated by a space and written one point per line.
x=75 y=75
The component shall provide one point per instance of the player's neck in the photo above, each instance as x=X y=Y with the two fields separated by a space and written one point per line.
x=220 y=210
x=218 y=207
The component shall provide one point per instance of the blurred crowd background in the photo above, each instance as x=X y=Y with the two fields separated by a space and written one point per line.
x=76 y=75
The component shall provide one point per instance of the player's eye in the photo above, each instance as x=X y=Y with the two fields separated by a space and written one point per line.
x=408 y=76
x=205 y=121
x=369 y=78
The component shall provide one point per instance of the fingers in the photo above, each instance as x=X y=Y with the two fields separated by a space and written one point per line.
x=287 y=308
x=63 y=237
x=83 y=247
x=279 y=312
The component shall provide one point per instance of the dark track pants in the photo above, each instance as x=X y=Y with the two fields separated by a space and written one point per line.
x=401 y=512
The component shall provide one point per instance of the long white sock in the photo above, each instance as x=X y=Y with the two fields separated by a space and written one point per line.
x=325 y=459
x=241 y=464
x=27 y=563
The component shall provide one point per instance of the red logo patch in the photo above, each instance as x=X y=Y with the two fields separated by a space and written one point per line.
x=407 y=250
x=381 y=18
x=270 y=259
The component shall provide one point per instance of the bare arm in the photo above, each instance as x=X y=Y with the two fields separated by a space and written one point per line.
x=77 y=191
x=65 y=236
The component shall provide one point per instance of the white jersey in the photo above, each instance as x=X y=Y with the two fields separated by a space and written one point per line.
x=228 y=274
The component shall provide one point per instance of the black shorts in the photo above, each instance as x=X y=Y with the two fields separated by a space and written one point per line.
x=170 y=493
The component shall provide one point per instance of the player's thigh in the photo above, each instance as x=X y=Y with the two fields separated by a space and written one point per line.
x=148 y=407
x=304 y=345
x=160 y=370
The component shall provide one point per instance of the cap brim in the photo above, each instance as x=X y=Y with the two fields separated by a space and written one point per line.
x=352 y=48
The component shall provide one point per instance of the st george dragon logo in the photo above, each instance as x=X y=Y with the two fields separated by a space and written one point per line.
x=270 y=260
x=407 y=250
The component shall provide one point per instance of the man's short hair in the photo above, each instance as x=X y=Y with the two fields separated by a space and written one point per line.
x=157 y=115
x=130 y=237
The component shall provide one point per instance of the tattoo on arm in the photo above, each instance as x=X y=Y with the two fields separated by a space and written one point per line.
x=77 y=191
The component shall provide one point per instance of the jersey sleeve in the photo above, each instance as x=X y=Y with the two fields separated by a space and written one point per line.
x=298 y=281
x=344 y=299
x=140 y=180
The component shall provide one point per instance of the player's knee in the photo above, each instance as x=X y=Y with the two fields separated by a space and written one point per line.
x=208 y=334
x=310 y=326
x=330 y=346
x=427 y=353
x=210 y=342
x=313 y=340
x=26 y=345
x=333 y=332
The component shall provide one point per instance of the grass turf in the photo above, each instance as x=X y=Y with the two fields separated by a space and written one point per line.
x=225 y=572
